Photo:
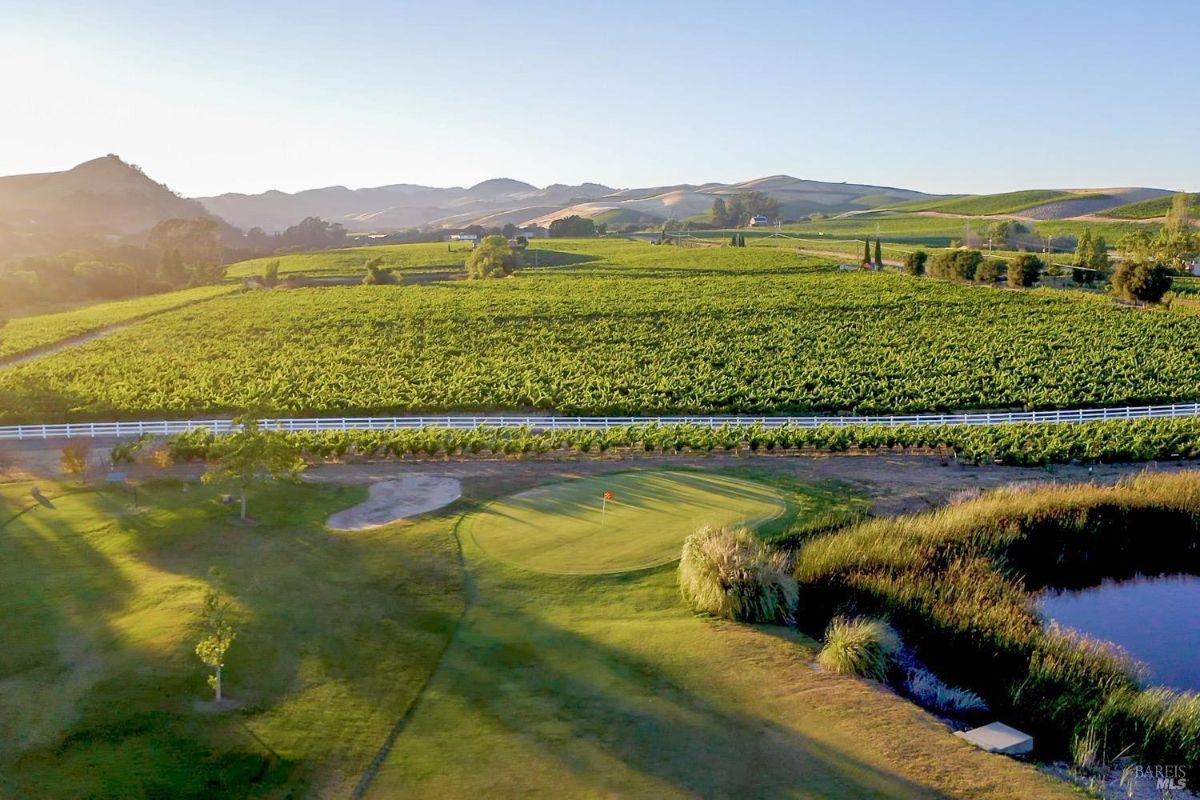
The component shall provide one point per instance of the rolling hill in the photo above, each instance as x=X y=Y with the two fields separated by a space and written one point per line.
x=107 y=200
x=98 y=201
x=1040 y=204
x=503 y=200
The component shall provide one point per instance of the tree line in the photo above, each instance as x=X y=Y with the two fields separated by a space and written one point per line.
x=176 y=253
x=741 y=207
x=1143 y=273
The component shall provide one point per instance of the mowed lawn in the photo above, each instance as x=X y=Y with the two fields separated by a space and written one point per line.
x=98 y=678
x=570 y=528
x=607 y=686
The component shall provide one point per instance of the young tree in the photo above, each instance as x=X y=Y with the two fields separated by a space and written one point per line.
x=377 y=274
x=1142 y=281
x=878 y=254
x=733 y=240
x=271 y=273
x=75 y=460
x=1091 y=256
x=1024 y=270
x=251 y=454
x=216 y=619
x=866 y=252
x=1179 y=218
x=1136 y=246
x=720 y=214
x=493 y=258
x=914 y=262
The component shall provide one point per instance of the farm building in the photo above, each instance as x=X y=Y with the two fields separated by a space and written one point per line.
x=758 y=221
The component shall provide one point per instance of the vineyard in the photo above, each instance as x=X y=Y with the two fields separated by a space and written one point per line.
x=353 y=260
x=1017 y=444
x=629 y=329
x=23 y=334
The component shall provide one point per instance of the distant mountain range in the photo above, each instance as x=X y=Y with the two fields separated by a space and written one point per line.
x=501 y=201
x=107 y=201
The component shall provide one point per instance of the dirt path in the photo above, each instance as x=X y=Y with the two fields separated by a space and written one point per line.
x=26 y=356
x=63 y=344
x=394 y=500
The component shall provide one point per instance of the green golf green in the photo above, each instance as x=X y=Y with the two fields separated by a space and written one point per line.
x=569 y=528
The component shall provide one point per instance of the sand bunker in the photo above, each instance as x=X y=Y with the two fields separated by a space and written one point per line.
x=391 y=501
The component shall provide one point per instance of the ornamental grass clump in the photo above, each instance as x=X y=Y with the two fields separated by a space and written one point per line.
x=730 y=573
x=864 y=647
x=930 y=691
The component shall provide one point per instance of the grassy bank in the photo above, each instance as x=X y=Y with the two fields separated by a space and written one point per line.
x=956 y=583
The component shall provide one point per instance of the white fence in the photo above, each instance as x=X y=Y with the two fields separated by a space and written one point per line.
x=541 y=423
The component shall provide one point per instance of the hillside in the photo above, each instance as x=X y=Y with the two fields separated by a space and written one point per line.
x=97 y=201
x=501 y=201
x=1044 y=204
x=400 y=206
x=1150 y=209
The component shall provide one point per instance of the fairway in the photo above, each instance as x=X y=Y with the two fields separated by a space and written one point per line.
x=98 y=674
x=563 y=528
x=607 y=685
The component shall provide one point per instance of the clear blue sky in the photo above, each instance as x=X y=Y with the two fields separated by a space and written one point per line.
x=940 y=96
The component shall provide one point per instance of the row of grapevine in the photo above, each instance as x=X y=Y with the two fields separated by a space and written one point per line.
x=751 y=337
x=1019 y=444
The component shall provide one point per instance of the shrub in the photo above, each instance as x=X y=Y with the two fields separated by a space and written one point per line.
x=1024 y=270
x=956 y=265
x=730 y=573
x=864 y=647
x=75 y=459
x=493 y=258
x=989 y=271
x=1141 y=281
x=377 y=274
x=914 y=262
x=930 y=691
x=127 y=452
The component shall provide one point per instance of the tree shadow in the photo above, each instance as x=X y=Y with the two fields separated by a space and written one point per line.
x=316 y=608
x=581 y=702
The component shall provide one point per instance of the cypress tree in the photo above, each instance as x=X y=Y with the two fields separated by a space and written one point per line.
x=866 y=251
x=733 y=242
x=878 y=255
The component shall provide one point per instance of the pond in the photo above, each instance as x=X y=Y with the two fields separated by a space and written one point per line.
x=1155 y=619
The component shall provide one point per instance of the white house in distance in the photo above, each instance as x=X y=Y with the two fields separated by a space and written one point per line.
x=758 y=220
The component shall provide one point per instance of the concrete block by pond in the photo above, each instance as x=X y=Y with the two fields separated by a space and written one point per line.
x=999 y=738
